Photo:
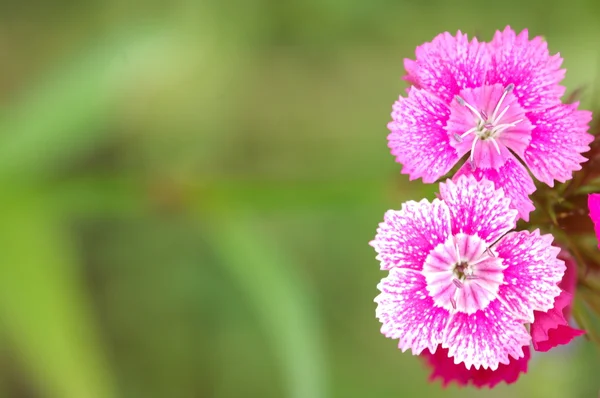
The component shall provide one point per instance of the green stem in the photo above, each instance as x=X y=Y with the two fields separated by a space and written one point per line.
x=279 y=296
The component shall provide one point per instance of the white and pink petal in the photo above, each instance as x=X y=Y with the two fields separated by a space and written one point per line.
x=448 y=64
x=417 y=136
x=529 y=66
x=514 y=180
x=478 y=208
x=485 y=339
x=532 y=274
x=558 y=139
x=406 y=236
x=407 y=313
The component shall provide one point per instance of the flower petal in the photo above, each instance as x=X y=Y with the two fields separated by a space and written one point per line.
x=448 y=64
x=445 y=369
x=486 y=338
x=569 y=280
x=405 y=237
x=558 y=139
x=418 y=139
x=594 y=207
x=512 y=177
x=408 y=313
x=478 y=208
x=551 y=328
x=528 y=65
x=532 y=274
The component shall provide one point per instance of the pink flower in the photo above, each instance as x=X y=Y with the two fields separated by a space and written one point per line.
x=552 y=328
x=548 y=330
x=458 y=281
x=491 y=101
x=594 y=206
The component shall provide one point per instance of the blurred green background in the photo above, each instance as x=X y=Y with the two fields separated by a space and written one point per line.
x=187 y=190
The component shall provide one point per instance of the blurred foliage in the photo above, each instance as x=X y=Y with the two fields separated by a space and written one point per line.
x=188 y=189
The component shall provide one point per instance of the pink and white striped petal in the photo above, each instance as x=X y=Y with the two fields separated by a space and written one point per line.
x=406 y=236
x=532 y=274
x=407 y=313
x=478 y=208
x=485 y=339
x=448 y=64
x=417 y=136
x=529 y=66
x=512 y=177
x=558 y=139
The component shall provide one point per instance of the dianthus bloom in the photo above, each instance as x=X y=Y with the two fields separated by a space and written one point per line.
x=548 y=330
x=459 y=281
x=491 y=101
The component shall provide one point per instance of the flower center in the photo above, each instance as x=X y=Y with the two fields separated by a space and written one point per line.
x=487 y=127
x=462 y=270
x=486 y=119
x=463 y=274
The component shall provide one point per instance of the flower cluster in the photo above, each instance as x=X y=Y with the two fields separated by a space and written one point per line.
x=465 y=289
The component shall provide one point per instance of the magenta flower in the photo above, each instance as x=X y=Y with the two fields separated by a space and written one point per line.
x=552 y=328
x=458 y=280
x=594 y=207
x=548 y=330
x=491 y=101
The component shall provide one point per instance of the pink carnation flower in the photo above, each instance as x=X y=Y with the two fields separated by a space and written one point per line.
x=458 y=280
x=594 y=207
x=491 y=101
x=548 y=330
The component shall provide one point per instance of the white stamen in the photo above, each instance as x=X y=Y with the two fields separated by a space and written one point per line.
x=500 y=115
x=471 y=108
x=503 y=127
x=472 y=163
x=460 y=100
x=457 y=137
x=495 y=144
x=453 y=302
x=507 y=90
x=466 y=133
x=473 y=148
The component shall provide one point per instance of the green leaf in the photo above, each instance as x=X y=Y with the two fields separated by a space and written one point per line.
x=44 y=308
x=280 y=297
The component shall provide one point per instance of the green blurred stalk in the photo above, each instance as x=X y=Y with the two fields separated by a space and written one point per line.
x=281 y=298
x=44 y=309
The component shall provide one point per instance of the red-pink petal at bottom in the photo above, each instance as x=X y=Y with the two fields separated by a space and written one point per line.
x=445 y=369
x=562 y=334
x=551 y=328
